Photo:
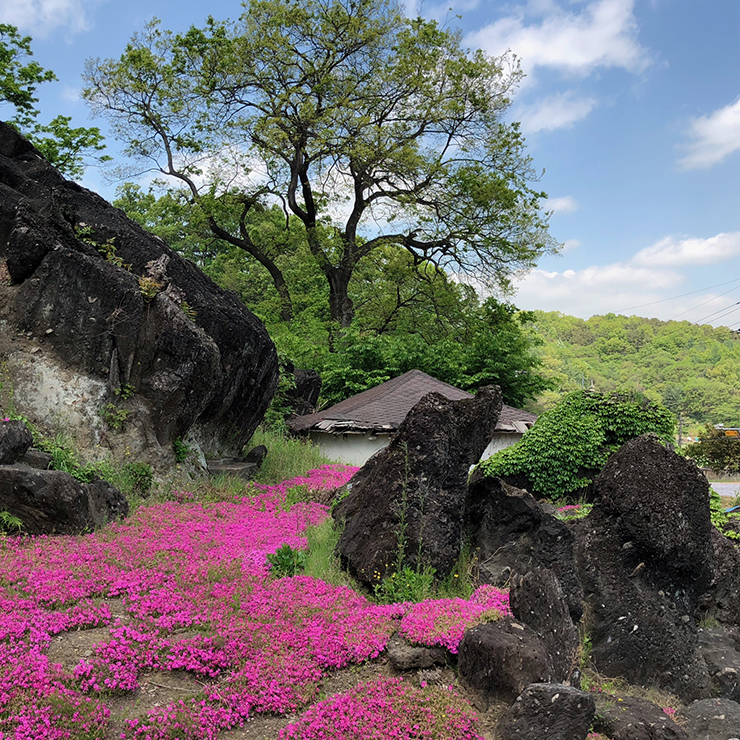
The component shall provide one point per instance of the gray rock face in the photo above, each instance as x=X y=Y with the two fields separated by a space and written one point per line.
x=513 y=534
x=537 y=600
x=15 y=439
x=416 y=488
x=498 y=660
x=720 y=650
x=644 y=559
x=210 y=372
x=629 y=718
x=53 y=502
x=406 y=657
x=547 y=711
x=712 y=719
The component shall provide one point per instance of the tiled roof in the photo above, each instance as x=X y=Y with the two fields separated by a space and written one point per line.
x=384 y=407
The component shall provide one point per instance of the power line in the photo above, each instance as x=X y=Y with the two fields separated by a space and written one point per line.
x=723 y=311
x=683 y=295
x=699 y=305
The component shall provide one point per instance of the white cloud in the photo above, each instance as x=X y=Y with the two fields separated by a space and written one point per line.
x=561 y=110
x=603 y=34
x=643 y=284
x=566 y=204
x=672 y=252
x=41 y=17
x=71 y=95
x=715 y=137
x=570 y=244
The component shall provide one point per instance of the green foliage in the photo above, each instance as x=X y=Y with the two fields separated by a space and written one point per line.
x=138 y=479
x=114 y=416
x=149 y=287
x=126 y=391
x=720 y=518
x=316 y=93
x=10 y=524
x=64 y=146
x=407 y=584
x=321 y=556
x=570 y=444
x=694 y=371
x=286 y=562
x=579 y=511
x=181 y=449
x=716 y=450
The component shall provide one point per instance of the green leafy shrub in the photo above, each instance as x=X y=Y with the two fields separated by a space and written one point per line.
x=9 y=523
x=287 y=562
x=114 y=416
x=716 y=450
x=561 y=454
x=181 y=449
x=407 y=584
x=720 y=518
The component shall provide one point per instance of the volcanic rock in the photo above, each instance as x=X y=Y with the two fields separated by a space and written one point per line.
x=413 y=492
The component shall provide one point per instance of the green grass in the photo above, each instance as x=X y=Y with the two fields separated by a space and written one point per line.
x=286 y=457
x=321 y=559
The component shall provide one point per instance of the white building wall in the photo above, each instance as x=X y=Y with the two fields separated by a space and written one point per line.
x=351 y=449
x=357 y=449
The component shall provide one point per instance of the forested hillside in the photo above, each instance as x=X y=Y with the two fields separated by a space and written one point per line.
x=693 y=370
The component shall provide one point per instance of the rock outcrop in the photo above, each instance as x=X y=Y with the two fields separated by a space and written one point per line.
x=115 y=311
x=53 y=502
x=512 y=533
x=498 y=660
x=547 y=710
x=410 y=497
x=644 y=557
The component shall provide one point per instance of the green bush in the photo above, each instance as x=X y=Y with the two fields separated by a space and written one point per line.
x=569 y=445
x=287 y=562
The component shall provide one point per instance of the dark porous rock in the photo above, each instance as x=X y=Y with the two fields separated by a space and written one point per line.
x=197 y=360
x=37 y=459
x=537 y=599
x=256 y=456
x=418 y=483
x=720 y=649
x=546 y=711
x=498 y=660
x=404 y=656
x=722 y=601
x=659 y=502
x=53 y=502
x=512 y=534
x=644 y=558
x=630 y=718
x=15 y=439
x=712 y=719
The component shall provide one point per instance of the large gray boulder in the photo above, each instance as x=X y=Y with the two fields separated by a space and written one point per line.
x=644 y=557
x=414 y=491
x=498 y=660
x=547 y=711
x=632 y=718
x=53 y=502
x=197 y=361
x=712 y=719
x=512 y=533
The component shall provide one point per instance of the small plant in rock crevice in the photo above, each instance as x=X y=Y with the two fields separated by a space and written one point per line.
x=149 y=287
x=114 y=416
x=181 y=449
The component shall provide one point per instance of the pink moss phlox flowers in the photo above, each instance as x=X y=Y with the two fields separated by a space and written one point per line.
x=443 y=621
x=386 y=708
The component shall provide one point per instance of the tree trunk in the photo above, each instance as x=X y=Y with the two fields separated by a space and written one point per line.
x=340 y=304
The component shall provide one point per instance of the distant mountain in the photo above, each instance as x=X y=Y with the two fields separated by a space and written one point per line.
x=693 y=370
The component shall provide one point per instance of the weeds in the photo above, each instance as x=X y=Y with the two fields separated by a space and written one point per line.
x=286 y=457
x=287 y=561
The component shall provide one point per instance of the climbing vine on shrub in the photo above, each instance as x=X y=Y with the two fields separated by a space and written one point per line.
x=568 y=445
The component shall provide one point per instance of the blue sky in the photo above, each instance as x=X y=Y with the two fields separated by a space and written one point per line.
x=630 y=107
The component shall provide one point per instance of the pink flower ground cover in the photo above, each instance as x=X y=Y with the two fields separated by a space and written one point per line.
x=195 y=583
